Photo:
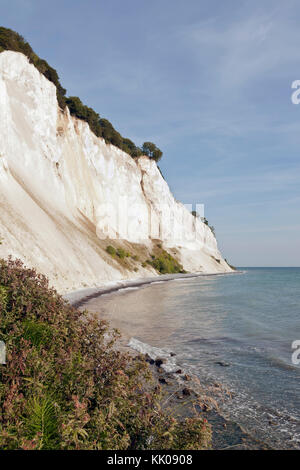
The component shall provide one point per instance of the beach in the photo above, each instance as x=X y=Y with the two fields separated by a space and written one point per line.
x=81 y=296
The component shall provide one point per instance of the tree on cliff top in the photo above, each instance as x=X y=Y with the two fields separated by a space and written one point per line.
x=152 y=151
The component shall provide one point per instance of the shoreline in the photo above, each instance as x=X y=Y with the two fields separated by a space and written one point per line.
x=182 y=393
x=79 y=297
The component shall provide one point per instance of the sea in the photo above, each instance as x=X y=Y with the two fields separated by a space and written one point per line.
x=235 y=329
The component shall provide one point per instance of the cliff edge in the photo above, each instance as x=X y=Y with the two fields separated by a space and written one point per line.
x=65 y=195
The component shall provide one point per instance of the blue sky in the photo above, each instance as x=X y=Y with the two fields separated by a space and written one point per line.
x=210 y=83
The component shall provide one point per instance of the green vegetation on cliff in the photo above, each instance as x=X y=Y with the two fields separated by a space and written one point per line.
x=66 y=386
x=164 y=262
x=10 y=40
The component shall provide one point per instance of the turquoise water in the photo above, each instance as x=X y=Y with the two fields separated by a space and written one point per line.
x=245 y=321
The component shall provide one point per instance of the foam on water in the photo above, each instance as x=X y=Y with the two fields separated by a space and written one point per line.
x=169 y=365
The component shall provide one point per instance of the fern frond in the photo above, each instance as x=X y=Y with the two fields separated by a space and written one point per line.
x=41 y=421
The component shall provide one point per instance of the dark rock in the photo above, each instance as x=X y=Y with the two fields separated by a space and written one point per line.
x=223 y=364
x=179 y=371
x=162 y=380
x=159 y=361
x=186 y=391
x=172 y=354
x=149 y=359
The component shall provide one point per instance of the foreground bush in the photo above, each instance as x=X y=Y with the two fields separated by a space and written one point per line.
x=65 y=386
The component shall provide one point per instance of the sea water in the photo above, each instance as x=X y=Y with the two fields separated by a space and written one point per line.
x=234 y=329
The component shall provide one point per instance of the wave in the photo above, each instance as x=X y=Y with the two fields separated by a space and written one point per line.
x=170 y=364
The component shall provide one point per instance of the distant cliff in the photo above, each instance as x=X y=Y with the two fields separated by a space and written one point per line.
x=62 y=190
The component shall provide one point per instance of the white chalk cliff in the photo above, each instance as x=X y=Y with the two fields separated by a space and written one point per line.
x=57 y=179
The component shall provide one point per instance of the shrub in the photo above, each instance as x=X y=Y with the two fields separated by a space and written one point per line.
x=213 y=230
x=3 y=298
x=165 y=263
x=101 y=127
x=66 y=386
x=111 y=250
x=121 y=253
x=38 y=333
x=205 y=221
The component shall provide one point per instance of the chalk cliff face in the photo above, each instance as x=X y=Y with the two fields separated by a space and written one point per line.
x=62 y=190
